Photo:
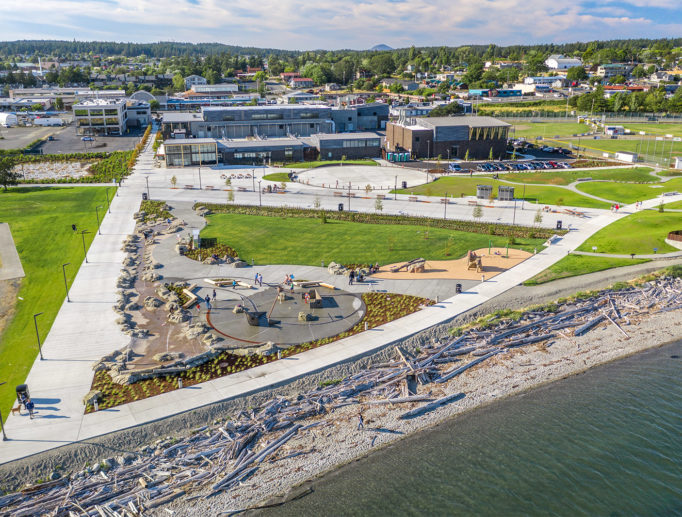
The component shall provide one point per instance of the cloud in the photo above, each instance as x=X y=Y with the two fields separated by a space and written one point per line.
x=296 y=24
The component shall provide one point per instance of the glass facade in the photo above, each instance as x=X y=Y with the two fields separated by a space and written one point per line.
x=186 y=154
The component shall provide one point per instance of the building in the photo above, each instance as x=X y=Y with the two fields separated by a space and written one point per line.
x=448 y=137
x=614 y=69
x=408 y=86
x=297 y=97
x=110 y=116
x=540 y=80
x=214 y=90
x=352 y=146
x=184 y=153
x=411 y=110
x=288 y=76
x=360 y=117
x=272 y=121
x=192 y=80
x=614 y=130
x=69 y=96
x=561 y=62
x=301 y=82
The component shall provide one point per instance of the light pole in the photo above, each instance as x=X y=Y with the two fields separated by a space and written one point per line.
x=106 y=191
x=523 y=198
x=199 y=170
x=83 y=232
x=147 y=179
x=99 y=231
x=514 y=218
x=66 y=286
x=395 y=190
x=349 y=196
x=253 y=179
x=260 y=203
x=35 y=322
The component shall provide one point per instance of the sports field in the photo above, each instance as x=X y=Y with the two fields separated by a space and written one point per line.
x=531 y=130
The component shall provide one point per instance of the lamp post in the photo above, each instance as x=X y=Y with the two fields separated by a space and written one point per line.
x=2 y=426
x=147 y=179
x=199 y=170
x=35 y=322
x=106 y=191
x=66 y=286
x=445 y=206
x=83 y=232
x=99 y=231
x=260 y=203
x=395 y=190
x=349 y=196
x=523 y=197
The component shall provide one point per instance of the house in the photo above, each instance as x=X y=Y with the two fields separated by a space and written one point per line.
x=613 y=69
x=561 y=62
x=660 y=77
x=331 y=87
x=301 y=82
x=191 y=80
x=288 y=76
x=408 y=86
x=447 y=76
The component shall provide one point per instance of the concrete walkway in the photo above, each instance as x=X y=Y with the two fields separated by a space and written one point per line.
x=85 y=329
x=10 y=263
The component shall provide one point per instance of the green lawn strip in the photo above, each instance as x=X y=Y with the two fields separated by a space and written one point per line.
x=305 y=241
x=548 y=129
x=458 y=187
x=309 y=165
x=566 y=176
x=675 y=206
x=40 y=220
x=658 y=129
x=628 y=192
x=655 y=150
x=277 y=177
x=638 y=233
x=575 y=265
x=669 y=173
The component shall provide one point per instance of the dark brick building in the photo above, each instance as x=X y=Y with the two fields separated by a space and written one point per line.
x=449 y=137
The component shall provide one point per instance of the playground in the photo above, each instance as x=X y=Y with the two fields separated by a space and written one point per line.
x=359 y=176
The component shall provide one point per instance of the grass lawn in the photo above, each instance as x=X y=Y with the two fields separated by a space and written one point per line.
x=671 y=172
x=309 y=165
x=658 y=129
x=655 y=151
x=278 y=177
x=278 y=240
x=566 y=176
x=637 y=233
x=676 y=205
x=628 y=193
x=575 y=265
x=40 y=220
x=457 y=187
x=548 y=129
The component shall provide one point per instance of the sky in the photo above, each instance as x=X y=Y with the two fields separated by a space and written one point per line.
x=340 y=24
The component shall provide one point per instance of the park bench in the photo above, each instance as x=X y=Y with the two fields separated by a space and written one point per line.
x=381 y=196
x=338 y=194
x=552 y=240
x=209 y=187
x=241 y=189
x=412 y=199
x=473 y=203
x=444 y=201
x=192 y=297
x=352 y=194
x=189 y=187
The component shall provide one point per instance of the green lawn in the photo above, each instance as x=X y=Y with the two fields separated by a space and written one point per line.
x=656 y=151
x=548 y=129
x=463 y=186
x=40 y=220
x=575 y=265
x=566 y=176
x=278 y=240
x=628 y=193
x=677 y=205
x=660 y=129
x=637 y=233
x=670 y=172
x=278 y=177
x=308 y=165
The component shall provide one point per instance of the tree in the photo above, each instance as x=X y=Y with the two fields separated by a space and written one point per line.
x=154 y=104
x=576 y=73
x=478 y=212
x=230 y=196
x=639 y=72
x=178 y=82
x=173 y=181
x=317 y=203
x=7 y=175
x=59 y=104
x=490 y=155
x=538 y=217
x=378 y=205
x=446 y=110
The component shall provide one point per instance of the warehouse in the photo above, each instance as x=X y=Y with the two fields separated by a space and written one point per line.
x=448 y=137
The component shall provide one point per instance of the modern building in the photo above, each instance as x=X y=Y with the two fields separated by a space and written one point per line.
x=561 y=62
x=69 y=96
x=448 y=137
x=301 y=82
x=273 y=121
x=349 y=145
x=271 y=150
x=192 y=80
x=411 y=110
x=110 y=116
x=361 y=117
x=184 y=153
x=614 y=69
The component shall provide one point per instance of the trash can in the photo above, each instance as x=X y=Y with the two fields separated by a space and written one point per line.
x=144 y=196
x=558 y=225
x=404 y=184
x=340 y=207
x=458 y=288
x=22 y=393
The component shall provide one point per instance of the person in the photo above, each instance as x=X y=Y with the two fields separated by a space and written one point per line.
x=306 y=298
x=198 y=308
x=351 y=277
x=208 y=302
x=29 y=407
x=260 y=279
x=361 y=422
x=214 y=295
x=255 y=279
x=234 y=284
x=74 y=228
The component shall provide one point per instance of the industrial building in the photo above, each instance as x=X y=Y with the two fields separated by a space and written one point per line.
x=561 y=62
x=448 y=137
x=361 y=117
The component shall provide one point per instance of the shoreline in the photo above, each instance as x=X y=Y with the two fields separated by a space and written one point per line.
x=338 y=442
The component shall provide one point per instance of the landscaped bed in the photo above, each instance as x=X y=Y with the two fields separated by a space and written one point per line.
x=575 y=265
x=381 y=308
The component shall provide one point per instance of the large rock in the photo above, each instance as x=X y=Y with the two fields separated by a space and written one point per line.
x=152 y=303
x=336 y=269
x=304 y=316
x=168 y=356
x=91 y=397
x=196 y=330
x=151 y=276
x=178 y=316
x=239 y=263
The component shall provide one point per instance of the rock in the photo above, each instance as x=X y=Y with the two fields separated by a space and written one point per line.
x=196 y=330
x=133 y=306
x=152 y=303
x=92 y=396
x=228 y=259
x=267 y=349
x=238 y=309
x=304 y=316
x=172 y=307
x=180 y=249
x=107 y=464
x=239 y=263
x=212 y=261
x=178 y=316
x=55 y=476
x=126 y=458
x=168 y=356
x=336 y=269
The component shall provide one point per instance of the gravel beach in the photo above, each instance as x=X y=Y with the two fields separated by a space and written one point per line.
x=338 y=440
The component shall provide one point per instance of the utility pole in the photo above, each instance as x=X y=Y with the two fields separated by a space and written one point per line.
x=99 y=231
x=83 y=232
x=66 y=286
x=35 y=322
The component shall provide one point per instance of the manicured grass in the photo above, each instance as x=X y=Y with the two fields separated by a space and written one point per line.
x=566 y=176
x=575 y=265
x=658 y=152
x=628 y=193
x=638 y=233
x=677 y=205
x=457 y=187
x=670 y=172
x=658 y=129
x=40 y=220
x=277 y=177
x=548 y=129
x=308 y=165
x=273 y=240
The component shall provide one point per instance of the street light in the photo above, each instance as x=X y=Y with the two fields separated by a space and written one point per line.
x=253 y=178
x=349 y=196
x=445 y=206
x=260 y=203
x=83 y=232
x=106 y=191
x=395 y=190
x=147 y=178
x=66 y=286
x=99 y=231
x=35 y=322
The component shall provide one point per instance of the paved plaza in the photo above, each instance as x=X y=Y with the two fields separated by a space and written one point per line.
x=85 y=330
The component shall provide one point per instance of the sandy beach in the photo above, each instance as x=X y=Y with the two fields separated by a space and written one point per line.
x=338 y=440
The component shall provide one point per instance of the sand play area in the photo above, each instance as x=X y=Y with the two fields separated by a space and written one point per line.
x=494 y=263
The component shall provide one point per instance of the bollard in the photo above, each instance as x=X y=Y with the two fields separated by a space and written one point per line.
x=437 y=299
x=279 y=354
x=322 y=262
x=179 y=383
x=365 y=325
x=96 y=405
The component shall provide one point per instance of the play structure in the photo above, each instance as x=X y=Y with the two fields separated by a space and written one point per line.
x=413 y=266
x=474 y=262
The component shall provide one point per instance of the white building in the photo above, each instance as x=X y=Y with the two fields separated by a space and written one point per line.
x=561 y=62
x=8 y=120
x=110 y=116
x=191 y=80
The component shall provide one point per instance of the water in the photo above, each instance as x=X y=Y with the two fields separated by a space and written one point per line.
x=608 y=442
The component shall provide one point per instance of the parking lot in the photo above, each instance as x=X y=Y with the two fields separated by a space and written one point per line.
x=19 y=137
x=67 y=141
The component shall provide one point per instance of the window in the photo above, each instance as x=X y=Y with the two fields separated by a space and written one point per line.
x=310 y=115
x=312 y=126
x=228 y=118
x=416 y=139
x=111 y=112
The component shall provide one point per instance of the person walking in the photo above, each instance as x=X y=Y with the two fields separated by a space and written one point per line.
x=29 y=407
x=198 y=308
x=351 y=277
x=214 y=296
x=361 y=422
x=255 y=279
x=260 y=279
x=208 y=302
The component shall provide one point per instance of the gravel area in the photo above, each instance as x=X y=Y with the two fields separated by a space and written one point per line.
x=52 y=170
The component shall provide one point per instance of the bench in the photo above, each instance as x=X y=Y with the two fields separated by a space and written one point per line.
x=338 y=194
x=551 y=240
x=192 y=297
x=381 y=196
x=189 y=187
x=412 y=199
x=241 y=189
x=209 y=187
x=473 y=203
x=328 y=286
x=444 y=201
x=351 y=194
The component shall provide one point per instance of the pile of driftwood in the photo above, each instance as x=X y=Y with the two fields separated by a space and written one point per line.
x=215 y=459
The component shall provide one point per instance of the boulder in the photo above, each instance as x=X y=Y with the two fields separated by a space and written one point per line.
x=91 y=397
x=239 y=263
x=152 y=303
x=178 y=316
x=196 y=330
x=304 y=316
x=172 y=307
x=267 y=349
x=238 y=309
x=168 y=356
x=211 y=261
x=151 y=276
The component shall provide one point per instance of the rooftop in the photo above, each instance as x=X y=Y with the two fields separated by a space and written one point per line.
x=346 y=136
x=100 y=102
x=462 y=121
x=181 y=117
x=177 y=141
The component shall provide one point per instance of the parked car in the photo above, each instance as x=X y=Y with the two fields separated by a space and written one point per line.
x=87 y=139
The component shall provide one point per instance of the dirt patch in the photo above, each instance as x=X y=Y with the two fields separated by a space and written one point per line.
x=494 y=263
x=8 y=301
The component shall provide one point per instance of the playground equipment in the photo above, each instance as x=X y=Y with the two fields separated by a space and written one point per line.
x=407 y=265
x=474 y=262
